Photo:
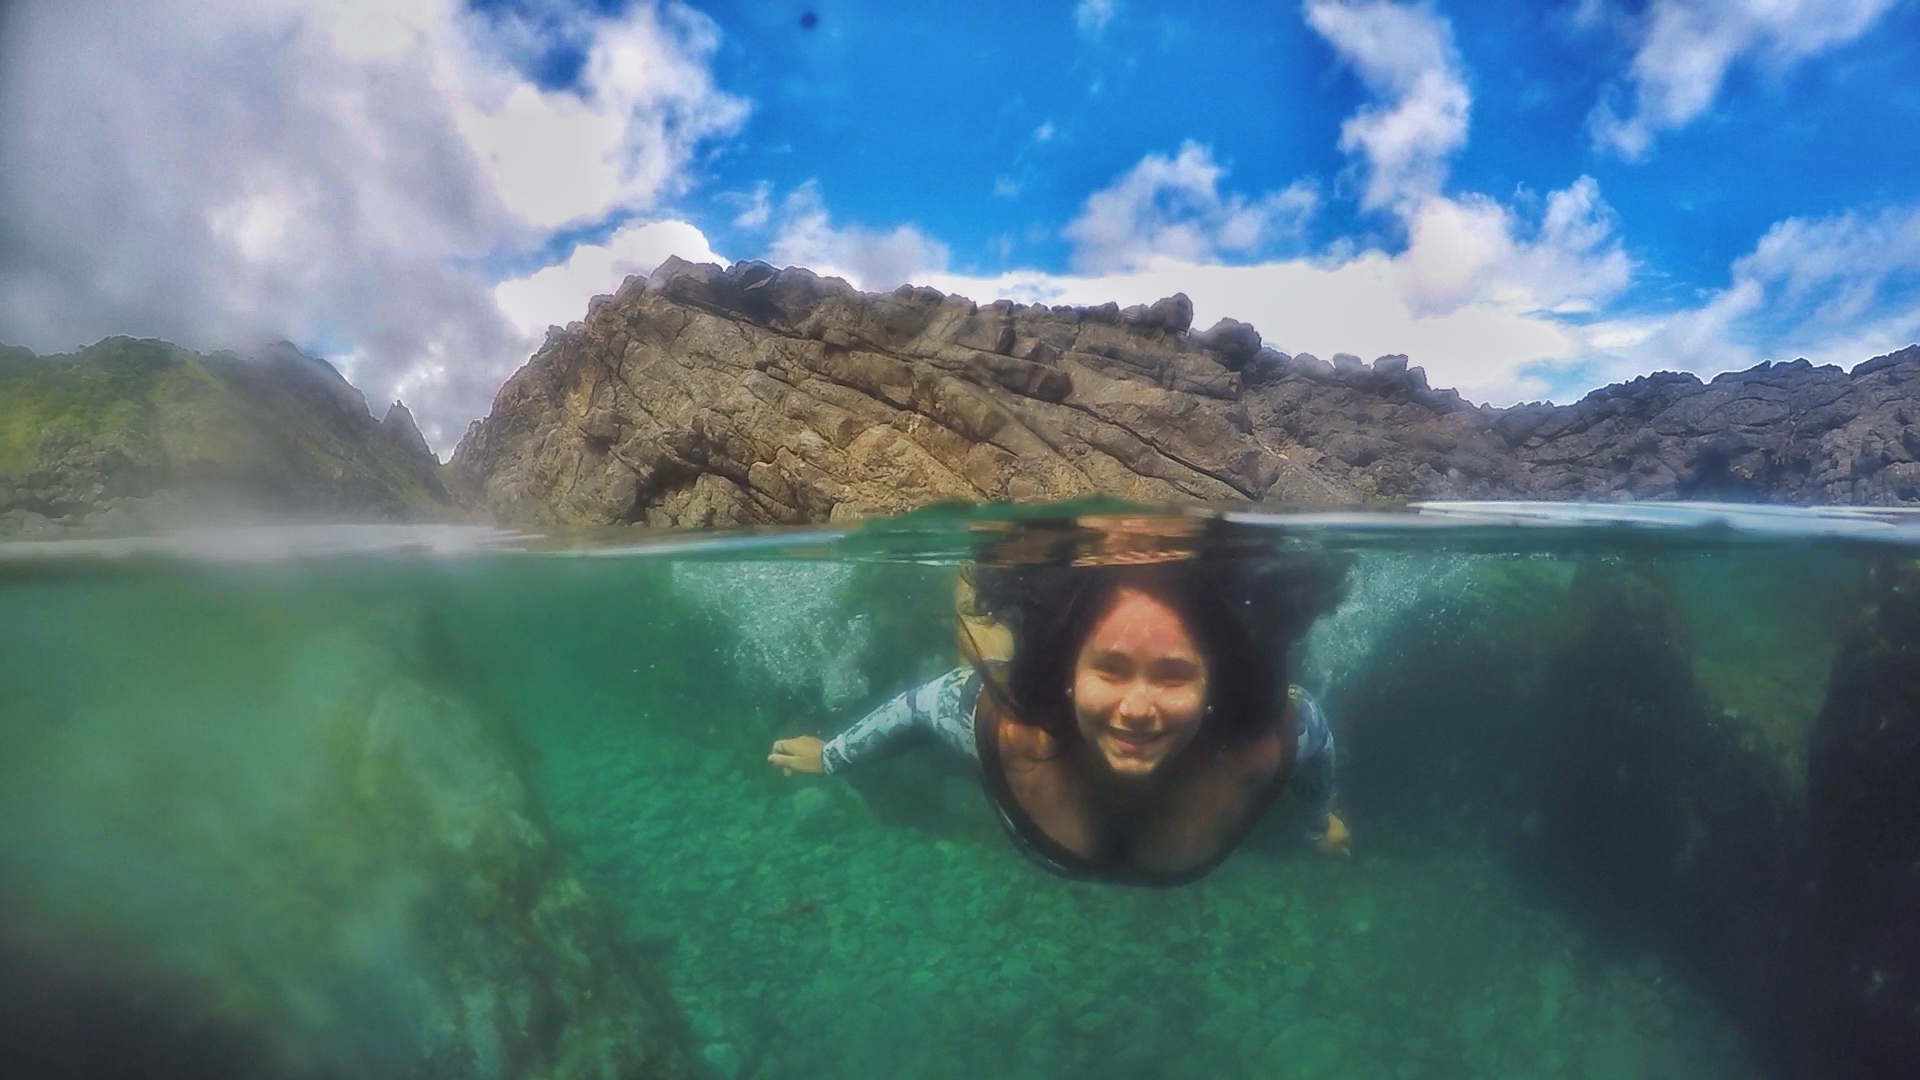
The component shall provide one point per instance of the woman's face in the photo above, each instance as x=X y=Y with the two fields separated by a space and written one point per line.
x=1139 y=685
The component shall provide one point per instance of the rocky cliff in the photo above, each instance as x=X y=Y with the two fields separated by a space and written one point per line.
x=129 y=434
x=710 y=396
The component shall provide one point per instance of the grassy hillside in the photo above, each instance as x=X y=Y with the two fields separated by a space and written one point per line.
x=130 y=419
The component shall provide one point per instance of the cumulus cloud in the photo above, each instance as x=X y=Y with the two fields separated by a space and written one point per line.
x=1475 y=296
x=868 y=258
x=1173 y=207
x=1473 y=250
x=335 y=172
x=1406 y=57
x=558 y=294
x=1836 y=289
x=1482 y=293
x=617 y=142
x=756 y=206
x=1686 y=48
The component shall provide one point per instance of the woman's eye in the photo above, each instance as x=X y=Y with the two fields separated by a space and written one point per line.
x=1174 y=672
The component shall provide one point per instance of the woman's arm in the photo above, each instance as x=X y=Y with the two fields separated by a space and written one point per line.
x=1313 y=772
x=943 y=707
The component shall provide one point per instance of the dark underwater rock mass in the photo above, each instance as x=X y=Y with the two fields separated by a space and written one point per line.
x=129 y=435
x=710 y=396
x=1864 y=813
x=322 y=863
x=1657 y=809
x=1567 y=727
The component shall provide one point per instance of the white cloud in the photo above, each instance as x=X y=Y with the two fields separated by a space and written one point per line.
x=869 y=259
x=1837 y=290
x=225 y=172
x=558 y=294
x=619 y=142
x=1480 y=294
x=756 y=206
x=1469 y=298
x=1687 y=46
x=1358 y=306
x=1471 y=250
x=1172 y=208
x=1406 y=57
x=1092 y=16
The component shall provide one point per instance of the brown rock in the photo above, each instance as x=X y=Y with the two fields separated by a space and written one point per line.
x=751 y=395
x=803 y=399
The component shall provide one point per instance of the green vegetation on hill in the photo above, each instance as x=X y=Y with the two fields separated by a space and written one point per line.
x=104 y=395
x=128 y=419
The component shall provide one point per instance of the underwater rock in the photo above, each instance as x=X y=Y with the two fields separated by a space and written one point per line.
x=1564 y=724
x=812 y=811
x=328 y=866
x=1658 y=809
x=522 y=972
x=1864 y=821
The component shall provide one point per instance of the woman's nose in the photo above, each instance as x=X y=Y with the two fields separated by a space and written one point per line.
x=1137 y=702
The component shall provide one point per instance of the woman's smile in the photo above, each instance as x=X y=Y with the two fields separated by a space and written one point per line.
x=1133 y=739
x=1140 y=685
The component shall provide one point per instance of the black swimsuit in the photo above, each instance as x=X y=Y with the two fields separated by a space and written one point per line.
x=948 y=706
x=1056 y=857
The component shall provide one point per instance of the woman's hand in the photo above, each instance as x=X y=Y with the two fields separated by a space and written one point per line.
x=1337 y=841
x=800 y=754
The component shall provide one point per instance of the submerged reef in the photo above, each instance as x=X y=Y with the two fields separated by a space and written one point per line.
x=1569 y=717
x=1864 y=811
x=1656 y=807
x=305 y=855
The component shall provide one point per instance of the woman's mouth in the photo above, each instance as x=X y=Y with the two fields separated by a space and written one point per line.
x=1133 y=740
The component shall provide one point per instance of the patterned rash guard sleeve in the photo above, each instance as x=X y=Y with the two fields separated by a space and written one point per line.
x=1313 y=765
x=942 y=707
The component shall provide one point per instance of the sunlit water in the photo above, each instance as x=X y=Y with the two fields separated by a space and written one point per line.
x=385 y=801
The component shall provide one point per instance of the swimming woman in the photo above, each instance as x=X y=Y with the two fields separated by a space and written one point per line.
x=1124 y=698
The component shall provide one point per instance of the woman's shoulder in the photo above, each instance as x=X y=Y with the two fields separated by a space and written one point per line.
x=1266 y=754
x=1018 y=742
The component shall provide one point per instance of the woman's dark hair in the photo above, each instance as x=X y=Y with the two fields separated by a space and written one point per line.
x=1245 y=601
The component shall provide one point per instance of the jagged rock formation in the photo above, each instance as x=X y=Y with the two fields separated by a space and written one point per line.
x=704 y=396
x=1788 y=432
x=128 y=434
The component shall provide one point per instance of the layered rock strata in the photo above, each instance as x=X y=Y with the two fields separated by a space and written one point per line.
x=703 y=396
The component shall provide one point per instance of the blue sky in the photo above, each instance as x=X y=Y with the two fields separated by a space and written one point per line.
x=1529 y=199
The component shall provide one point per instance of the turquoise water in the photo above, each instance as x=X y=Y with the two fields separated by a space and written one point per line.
x=459 y=802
